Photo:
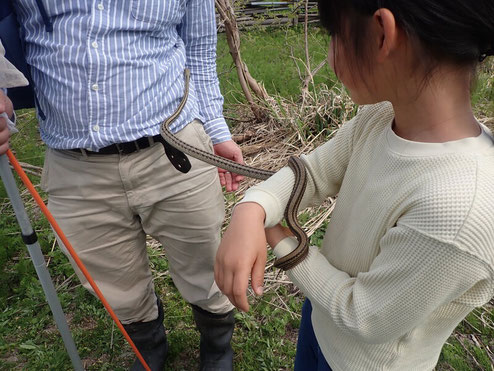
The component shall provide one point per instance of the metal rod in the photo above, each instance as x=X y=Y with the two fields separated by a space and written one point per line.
x=39 y=262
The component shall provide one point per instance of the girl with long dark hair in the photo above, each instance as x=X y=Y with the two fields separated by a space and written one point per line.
x=409 y=250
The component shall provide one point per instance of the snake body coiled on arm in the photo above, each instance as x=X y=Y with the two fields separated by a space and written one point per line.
x=296 y=165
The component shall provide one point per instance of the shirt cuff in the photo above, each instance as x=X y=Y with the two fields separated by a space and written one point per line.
x=218 y=130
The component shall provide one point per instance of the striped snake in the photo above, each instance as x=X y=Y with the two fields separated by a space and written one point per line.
x=296 y=164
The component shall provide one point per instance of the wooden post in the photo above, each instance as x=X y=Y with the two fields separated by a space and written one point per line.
x=247 y=82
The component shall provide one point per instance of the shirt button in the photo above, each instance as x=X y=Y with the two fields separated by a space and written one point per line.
x=94 y=87
x=96 y=128
x=94 y=44
x=100 y=6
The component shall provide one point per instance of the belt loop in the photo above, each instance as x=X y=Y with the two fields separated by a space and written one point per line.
x=151 y=141
x=119 y=148
x=84 y=153
x=136 y=143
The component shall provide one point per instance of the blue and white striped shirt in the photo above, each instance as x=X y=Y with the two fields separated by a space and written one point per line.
x=112 y=70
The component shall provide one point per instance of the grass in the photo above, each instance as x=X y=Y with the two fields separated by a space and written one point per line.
x=265 y=337
x=275 y=59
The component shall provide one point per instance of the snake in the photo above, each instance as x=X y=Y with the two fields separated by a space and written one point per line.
x=290 y=260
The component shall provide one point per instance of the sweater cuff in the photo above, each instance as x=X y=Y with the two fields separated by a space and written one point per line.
x=285 y=247
x=267 y=202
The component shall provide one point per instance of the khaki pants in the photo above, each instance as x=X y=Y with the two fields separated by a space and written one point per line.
x=106 y=204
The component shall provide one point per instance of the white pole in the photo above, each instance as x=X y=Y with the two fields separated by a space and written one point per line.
x=31 y=241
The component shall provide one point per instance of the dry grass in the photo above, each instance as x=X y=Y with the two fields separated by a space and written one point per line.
x=290 y=128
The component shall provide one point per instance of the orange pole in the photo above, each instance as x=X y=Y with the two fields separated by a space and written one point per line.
x=61 y=235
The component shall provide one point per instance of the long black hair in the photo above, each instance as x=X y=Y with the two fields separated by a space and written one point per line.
x=458 y=31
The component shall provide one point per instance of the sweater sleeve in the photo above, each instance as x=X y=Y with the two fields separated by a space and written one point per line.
x=413 y=276
x=326 y=167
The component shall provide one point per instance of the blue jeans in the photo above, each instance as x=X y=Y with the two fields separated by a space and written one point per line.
x=309 y=356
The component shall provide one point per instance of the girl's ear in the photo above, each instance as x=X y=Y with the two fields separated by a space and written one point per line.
x=387 y=33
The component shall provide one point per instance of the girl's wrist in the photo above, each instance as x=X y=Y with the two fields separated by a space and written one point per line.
x=276 y=234
x=249 y=210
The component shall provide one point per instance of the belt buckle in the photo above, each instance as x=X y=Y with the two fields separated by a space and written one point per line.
x=128 y=147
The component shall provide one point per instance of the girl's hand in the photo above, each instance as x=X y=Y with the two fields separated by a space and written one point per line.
x=242 y=252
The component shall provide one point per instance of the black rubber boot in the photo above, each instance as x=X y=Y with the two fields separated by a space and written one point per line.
x=150 y=339
x=216 y=334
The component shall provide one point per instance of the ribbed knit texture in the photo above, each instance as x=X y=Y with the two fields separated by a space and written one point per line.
x=409 y=250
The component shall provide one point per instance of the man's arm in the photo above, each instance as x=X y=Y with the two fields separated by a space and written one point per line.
x=198 y=30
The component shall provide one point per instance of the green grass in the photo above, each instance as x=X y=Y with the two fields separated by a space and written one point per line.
x=265 y=337
x=483 y=90
x=272 y=57
x=275 y=57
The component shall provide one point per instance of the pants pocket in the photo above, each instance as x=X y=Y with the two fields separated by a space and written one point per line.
x=44 y=174
x=205 y=141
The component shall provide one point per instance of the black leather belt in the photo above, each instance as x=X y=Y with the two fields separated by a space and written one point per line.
x=123 y=148
x=178 y=159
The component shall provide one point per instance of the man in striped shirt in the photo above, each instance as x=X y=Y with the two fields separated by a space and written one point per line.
x=106 y=74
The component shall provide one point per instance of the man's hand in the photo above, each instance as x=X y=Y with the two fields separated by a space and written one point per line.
x=242 y=253
x=7 y=107
x=231 y=151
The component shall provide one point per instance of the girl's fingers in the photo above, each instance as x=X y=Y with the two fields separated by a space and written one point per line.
x=240 y=283
x=257 y=279
x=226 y=285
x=218 y=276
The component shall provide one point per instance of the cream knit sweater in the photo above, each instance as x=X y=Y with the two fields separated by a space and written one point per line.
x=409 y=250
